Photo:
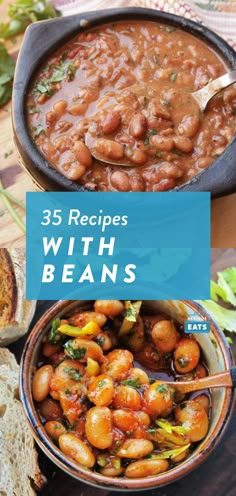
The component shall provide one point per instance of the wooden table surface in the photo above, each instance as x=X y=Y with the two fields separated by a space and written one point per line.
x=215 y=477
x=18 y=182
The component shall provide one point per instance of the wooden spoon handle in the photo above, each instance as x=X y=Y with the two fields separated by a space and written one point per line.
x=223 y=379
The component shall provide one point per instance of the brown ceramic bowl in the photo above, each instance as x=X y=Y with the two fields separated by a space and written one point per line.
x=217 y=356
x=219 y=178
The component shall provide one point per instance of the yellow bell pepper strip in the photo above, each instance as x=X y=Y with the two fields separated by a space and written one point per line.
x=90 y=330
x=131 y=314
x=92 y=368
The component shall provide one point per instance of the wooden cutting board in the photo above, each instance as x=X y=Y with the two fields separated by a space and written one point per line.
x=18 y=182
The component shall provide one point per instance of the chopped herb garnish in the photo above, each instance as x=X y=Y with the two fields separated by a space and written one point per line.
x=146 y=101
x=73 y=373
x=150 y=133
x=75 y=353
x=54 y=336
x=170 y=29
x=173 y=77
x=152 y=430
x=43 y=88
x=63 y=71
x=183 y=362
x=100 y=341
x=67 y=392
x=162 y=388
x=33 y=110
x=182 y=406
x=101 y=383
x=102 y=460
x=37 y=131
x=135 y=383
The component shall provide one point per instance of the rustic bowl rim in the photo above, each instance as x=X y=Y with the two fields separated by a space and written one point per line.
x=93 y=478
x=29 y=152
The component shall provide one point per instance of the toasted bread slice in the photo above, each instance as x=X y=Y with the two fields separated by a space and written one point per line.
x=19 y=471
x=15 y=312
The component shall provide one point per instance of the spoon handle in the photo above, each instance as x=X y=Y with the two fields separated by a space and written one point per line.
x=207 y=92
x=222 y=379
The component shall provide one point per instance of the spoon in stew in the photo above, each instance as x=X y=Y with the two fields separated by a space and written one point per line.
x=222 y=379
x=202 y=97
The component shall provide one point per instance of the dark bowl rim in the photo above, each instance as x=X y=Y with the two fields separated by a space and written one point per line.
x=28 y=150
x=92 y=478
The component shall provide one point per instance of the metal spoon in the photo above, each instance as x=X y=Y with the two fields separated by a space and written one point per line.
x=202 y=97
x=205 y=94
x=222 y=379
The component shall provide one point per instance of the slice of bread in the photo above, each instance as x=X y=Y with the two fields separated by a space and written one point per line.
x=19 y=471
x=15 y=312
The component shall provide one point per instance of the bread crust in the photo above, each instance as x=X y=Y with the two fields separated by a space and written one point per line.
x=8 y=288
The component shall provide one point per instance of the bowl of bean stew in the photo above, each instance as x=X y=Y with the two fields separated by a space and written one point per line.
x=117 y=85
x=93 y=384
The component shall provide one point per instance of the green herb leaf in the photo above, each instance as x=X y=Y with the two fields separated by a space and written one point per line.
x=74 y=374
x=173 y=76
x=75 y=353
x=150 y=133
x=7 y=67
x=24 y=12
x=135 y=383
x=226 y=319
x=54 y=336
x=162 y=388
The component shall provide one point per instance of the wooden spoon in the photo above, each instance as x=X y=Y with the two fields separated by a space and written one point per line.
x=222 y=379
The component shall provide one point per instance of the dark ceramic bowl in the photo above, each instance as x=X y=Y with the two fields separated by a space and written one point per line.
x=42 y=39
x=217 y=356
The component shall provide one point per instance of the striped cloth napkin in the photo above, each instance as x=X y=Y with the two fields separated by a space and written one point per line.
x=218 y=15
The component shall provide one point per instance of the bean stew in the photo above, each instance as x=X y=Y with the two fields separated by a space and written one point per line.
x=100 y=390
x=124 y=89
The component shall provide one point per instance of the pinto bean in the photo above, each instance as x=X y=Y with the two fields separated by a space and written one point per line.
x=138 y=157
x=170 y=170
x=138 y=125
x=111 y=471
x=41 y=382
x=189 y=125
x=111 y=122
x=98 y=427
x=164 y=185
x=110 y=149
x=50 y=118
x=135 y=448
x=78 y=109
x=162 y=143
x=60 y=107
x=76 y=449
x=204 y=162
x=137 y=183
x=120 y=181
x=73 y=171
x=146 y=468
x=159 y=110
x=82 y=153
x=125 y=420
x=183 y=144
